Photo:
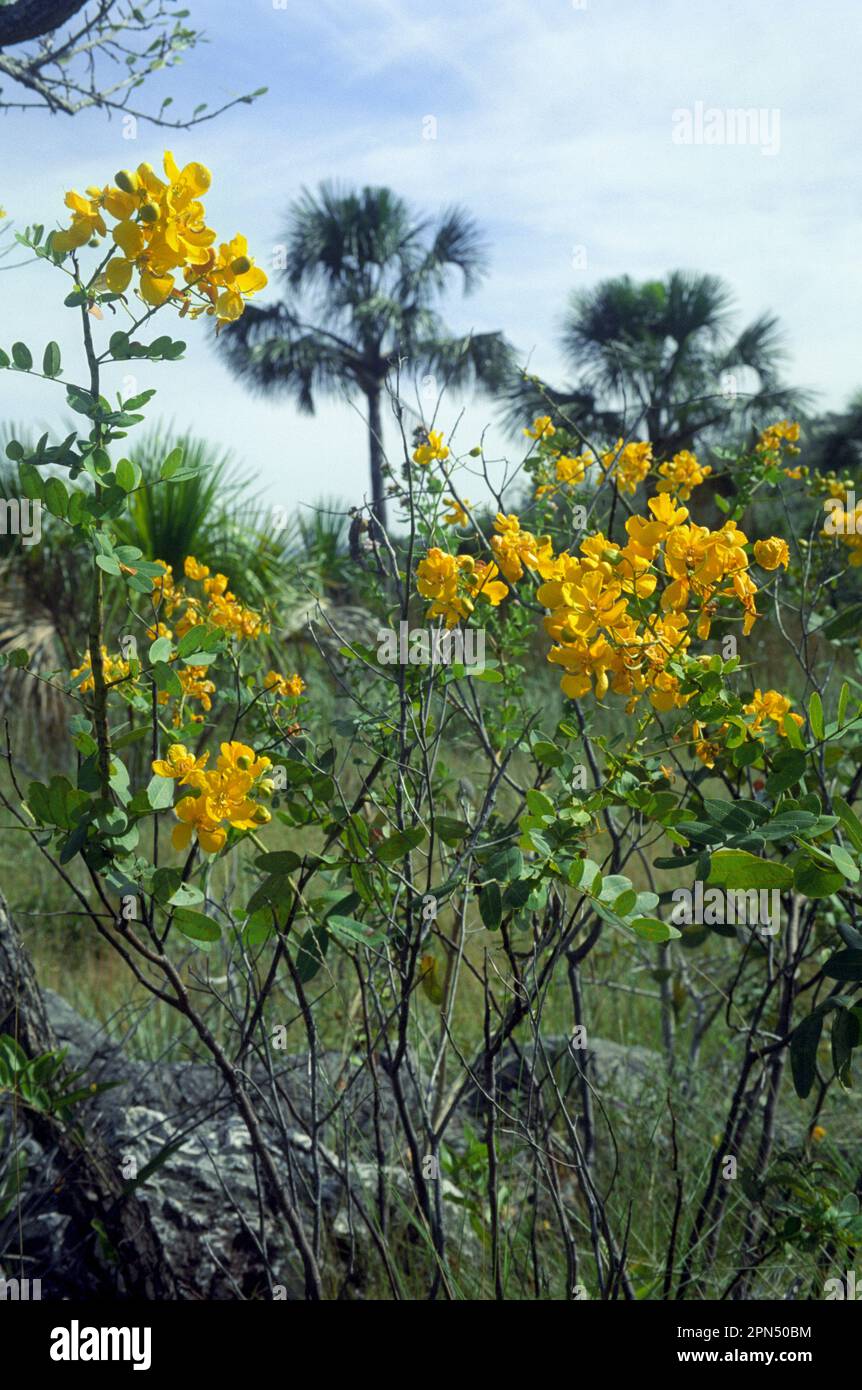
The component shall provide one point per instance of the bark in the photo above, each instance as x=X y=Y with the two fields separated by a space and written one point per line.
x=93 y=1183
x=30 y=19
x=376 y=456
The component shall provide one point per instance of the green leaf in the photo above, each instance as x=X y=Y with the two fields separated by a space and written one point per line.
x=56 y=497
x=539 y=803
x=491 y=905
x=504 y=864
x=788 y=768
x=845 y=1036
x=276 y=891
x=850 y=822
x=279 y=861
x=815 y=716
x=547 y=753
x=172 y=464
x=312 y=949
x=450 y=830
x=187 y=895
x=160 y=792
x=128 y=475
x=804 y=1042
x=736 y=868
x=353 y=930
x=166 y=678
x=845 y=863
x=399 y=844
x=51 y=360
x=815 y=882
x=653 y=929
x=847 y=622
x=160 y=650
x=22 y=356
x=197 y=926
x=846 y=965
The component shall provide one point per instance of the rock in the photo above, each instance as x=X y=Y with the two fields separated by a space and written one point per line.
x=172 y=1129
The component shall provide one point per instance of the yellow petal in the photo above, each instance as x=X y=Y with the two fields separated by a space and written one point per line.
x=180 y=836
x=118 y=273
x=211 y=841
x=155 y=289
x=229 y=305
x=130 y=239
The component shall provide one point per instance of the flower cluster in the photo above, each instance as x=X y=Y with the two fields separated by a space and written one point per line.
x=772 y=706
x=217 y=606
x=458 y=514
x=682 y=473
x=283 y=687
x=516 y=550
x=627 y=465
x=431 y=447
x=113 y=667
x=769 y=707
x=454 y=582
x=222 y=797
x=161 y=235
x=780 y=438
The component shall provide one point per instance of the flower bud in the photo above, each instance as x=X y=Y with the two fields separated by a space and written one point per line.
x=127 y=181
x=241 y=266
x=149 y=213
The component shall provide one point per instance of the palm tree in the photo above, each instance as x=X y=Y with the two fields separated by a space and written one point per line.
x=661 y=359
x=363 y=275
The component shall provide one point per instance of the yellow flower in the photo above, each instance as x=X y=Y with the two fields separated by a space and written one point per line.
x=541 y=428
x=771 y=553
x=287 y=687
x=238 y=757
x=193 y=680
x=180 y=764
x=161 y=234
x=114 y=669
x=818 y=1134
x=516 y=550
x=432 y=448
x=771 y=705
x=681 y=474
x=193 y=817
x=572 y=470
x=782 y=436
x=193 y=570
x=627 y=465
x=458 y=516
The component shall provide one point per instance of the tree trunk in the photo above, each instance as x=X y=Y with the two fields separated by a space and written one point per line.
x=93 y=1183
x=376 y=456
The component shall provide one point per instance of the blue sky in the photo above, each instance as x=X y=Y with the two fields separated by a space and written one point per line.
x=553 y=126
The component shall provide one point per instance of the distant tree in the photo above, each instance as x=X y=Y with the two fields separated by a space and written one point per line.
x=661 y=359
x=98 y=54
x=369 y=272
x=834 y=440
